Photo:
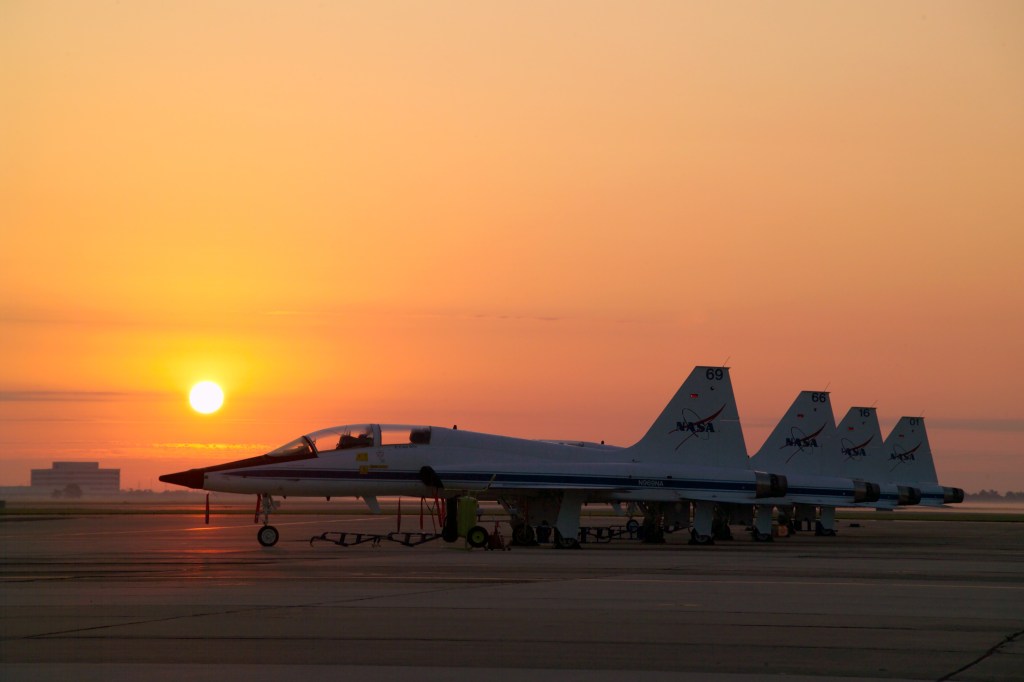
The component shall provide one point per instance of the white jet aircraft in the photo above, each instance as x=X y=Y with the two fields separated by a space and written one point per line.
x=693 y=452
x=902 y=464
x=790 y=450
x=807 y=442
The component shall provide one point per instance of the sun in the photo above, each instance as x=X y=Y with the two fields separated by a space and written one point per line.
x=206 y=397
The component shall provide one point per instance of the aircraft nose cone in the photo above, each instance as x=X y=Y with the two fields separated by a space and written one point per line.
x=193 y=478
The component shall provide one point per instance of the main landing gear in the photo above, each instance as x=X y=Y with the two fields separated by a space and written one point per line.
x=564 y=542
x=523 y=534
x=267 y=535
x=701 y=539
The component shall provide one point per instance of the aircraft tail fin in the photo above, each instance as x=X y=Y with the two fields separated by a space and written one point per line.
x=798 y=442
x=908 y=453
x=860 y=454
x=700 y=426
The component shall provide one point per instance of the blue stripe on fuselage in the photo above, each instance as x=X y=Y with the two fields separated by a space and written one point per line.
x=533 y=480
x=524 y=479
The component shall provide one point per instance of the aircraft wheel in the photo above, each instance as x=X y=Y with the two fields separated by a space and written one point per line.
x=632 y=526
x=523 y=534
x=267 y=536
x=698 y=539
x=761 y=537
x=449 y=534
x=477 y=536
x=565 y=543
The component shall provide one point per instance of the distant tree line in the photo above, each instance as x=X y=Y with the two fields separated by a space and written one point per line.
x=994 y=496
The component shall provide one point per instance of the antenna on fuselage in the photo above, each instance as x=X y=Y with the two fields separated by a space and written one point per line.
x=455 y=427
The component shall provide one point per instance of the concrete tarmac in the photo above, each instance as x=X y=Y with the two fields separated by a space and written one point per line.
x=167 y=597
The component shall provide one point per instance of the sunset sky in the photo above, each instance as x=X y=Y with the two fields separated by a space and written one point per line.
x=524 y=218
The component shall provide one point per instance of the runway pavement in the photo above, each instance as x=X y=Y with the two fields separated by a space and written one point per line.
x=166 y=597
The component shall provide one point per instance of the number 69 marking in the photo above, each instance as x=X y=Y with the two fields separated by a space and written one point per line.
x=713 y=374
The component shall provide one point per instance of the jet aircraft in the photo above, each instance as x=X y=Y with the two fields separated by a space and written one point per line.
x=808 y=441
x=790 y=450
x=693 y=452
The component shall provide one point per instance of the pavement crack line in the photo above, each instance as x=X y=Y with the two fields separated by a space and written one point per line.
x=1006 y=640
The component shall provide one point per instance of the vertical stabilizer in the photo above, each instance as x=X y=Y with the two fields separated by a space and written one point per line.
x=799 y=442
x=860 y=454
x=908 y=454
x=699 y=427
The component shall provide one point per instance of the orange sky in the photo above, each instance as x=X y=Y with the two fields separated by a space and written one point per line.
x=531 y=219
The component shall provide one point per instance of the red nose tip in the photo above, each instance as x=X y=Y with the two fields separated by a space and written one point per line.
x=193 y=478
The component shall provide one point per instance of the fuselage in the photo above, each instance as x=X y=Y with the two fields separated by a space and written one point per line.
x=382 y=460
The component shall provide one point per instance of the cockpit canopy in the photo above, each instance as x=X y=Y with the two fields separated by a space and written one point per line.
x=297 y=447
x=354 y=436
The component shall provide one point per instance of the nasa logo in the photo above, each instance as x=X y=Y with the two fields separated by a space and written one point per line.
x=801 y=442
x=900 y=456
x=855 y=452
x=651 y=483
x=694 y=426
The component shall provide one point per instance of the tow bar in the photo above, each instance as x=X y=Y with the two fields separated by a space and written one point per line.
x=347 y=539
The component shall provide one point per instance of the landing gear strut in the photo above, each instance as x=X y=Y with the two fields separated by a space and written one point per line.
x=703 y=519
x=267 y=536
x=826 y=524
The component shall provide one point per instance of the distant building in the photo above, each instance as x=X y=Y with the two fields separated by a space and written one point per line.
x=87 y=476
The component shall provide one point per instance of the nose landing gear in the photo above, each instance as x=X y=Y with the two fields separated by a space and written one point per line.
x=267 y=536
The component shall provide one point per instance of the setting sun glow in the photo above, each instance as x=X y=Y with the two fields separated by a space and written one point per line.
x=531 y=220
x=206 y=397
